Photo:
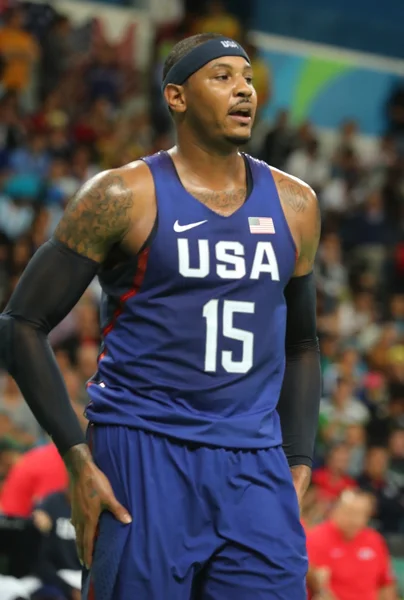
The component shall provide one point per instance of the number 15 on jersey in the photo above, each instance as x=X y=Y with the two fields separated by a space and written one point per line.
x=246 y=338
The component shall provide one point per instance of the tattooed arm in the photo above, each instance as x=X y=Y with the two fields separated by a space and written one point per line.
x=54 y=280
x=98 y=217
x=300 y=396
x=302 y=211
x=51 y=285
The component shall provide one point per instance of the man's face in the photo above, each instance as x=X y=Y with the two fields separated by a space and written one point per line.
x=353 y=514
x=338 y=460
x=220 y=100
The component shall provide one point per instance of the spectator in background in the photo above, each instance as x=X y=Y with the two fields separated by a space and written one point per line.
x=10 y=454
x=87 y=355
x=40 y=232
x=87 y=320
x=348 y=139
x=16 y=216
x=396 y=447
x=387 y=417
x=351 y=559
x=13 y=405
x=330 y=481
x=54 y=104
x=308 y=163
x=339 y=411
x=57 y=54
x=368 y=233
x=58 y=565
x=332 y=275
x=342 y=193
x=37 y=474
x=278 y=142
x=356 y=313
x=11 y=128
x=395 y=111
x=355 y=439
x=19 y=51
x=378 y=355
x=397 y=312
x=82 y=164
x=74 y=389
x=103 y=75
x=217 y=19
x=388 y=514
x=32 y=159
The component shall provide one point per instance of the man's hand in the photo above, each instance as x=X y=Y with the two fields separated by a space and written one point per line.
x=91 y=493
x=318 y=582
x=301 y=476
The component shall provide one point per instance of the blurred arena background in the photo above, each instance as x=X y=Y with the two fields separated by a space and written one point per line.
x=80 y=92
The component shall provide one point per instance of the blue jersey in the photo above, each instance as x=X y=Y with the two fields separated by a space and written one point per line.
x=194 y=326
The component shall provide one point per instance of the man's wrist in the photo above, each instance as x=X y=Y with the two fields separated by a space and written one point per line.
x=76 y=458
x=301 y=475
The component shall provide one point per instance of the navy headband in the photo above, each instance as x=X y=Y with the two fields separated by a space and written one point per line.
x=198 y=57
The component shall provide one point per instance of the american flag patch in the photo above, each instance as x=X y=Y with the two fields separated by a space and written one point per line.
x=261 y=225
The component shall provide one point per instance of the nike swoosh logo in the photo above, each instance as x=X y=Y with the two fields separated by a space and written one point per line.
x=180 y=228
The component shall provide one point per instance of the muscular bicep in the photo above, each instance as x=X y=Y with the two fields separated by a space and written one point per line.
x=303 y=214
x=98 y=217
x=310 y=230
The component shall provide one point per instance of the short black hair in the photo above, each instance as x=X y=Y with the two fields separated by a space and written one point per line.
x=184 y=47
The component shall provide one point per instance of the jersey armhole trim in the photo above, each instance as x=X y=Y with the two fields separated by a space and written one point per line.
x=287 y=226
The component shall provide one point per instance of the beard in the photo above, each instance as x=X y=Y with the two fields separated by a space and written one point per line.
x=238 y=140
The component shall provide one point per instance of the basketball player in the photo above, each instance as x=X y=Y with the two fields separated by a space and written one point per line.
x=205 y=257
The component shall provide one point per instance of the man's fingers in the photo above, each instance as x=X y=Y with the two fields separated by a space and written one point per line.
x=88 y=542
x=79 y=542
x=119 y=512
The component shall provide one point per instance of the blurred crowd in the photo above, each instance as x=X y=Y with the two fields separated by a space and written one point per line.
x=73 y=104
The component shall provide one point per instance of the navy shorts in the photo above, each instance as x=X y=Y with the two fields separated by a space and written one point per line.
x=208 y=524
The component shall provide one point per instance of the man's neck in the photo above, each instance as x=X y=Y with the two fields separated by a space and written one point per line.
x=347 y=537
x=202 y=163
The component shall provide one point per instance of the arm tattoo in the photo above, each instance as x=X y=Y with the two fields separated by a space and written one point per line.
x=293 y=194
x=97 y=217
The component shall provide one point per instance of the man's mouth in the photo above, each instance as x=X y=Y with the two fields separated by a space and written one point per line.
x=242 y=114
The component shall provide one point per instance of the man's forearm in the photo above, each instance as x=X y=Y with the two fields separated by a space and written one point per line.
x=301 y=476
x=51 y=285
x=299 y=403
x=31 y=362
x=299 y=400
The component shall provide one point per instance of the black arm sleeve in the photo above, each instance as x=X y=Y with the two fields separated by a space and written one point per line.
x=50 y=286
x=299 y=401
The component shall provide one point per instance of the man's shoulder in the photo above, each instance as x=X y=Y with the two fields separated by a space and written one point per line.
x=132 y=174
x=372 y=537
x=290 y=185
x=291 y=190
x=319 y=533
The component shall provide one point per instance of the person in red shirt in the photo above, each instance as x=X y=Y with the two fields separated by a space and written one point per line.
x=331 y=480
x=351 y=560
x=37 y=474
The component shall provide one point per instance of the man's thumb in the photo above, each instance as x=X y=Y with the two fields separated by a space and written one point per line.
x=120 y=512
